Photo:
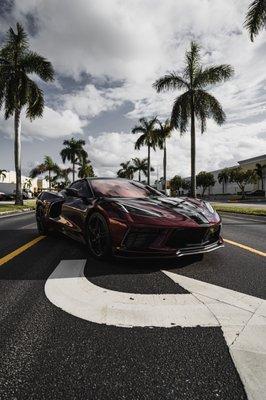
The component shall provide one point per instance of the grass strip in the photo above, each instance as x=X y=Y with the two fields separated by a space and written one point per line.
x=12 y=208
x=240 y=210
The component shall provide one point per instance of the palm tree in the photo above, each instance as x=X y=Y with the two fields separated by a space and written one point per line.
x=48 y=165
x=85 y=168
x=255 y=18
x=73 y=152
x=164 y=132
x=141 y=166
x=148 y=138
x=62 y=173
x=259 y=171
x=195 y=102
x=27 y=184
x=18 y=90
x=127 y=170
x=223 y=177
x=3 y=174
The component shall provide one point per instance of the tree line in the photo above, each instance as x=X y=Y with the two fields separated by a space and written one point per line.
x=57 y=177
x=206 y=180
x=19 y=91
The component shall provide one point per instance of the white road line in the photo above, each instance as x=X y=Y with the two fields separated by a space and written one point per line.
x=29 y=226
x=241 y=317
x=68 y=289
x=243 y=321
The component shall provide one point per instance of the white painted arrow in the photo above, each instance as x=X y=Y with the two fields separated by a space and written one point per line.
x=241 y=317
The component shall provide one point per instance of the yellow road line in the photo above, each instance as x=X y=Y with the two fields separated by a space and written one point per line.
x=20 y=250
x=242 y=246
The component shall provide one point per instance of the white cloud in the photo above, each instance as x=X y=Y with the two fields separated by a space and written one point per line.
x=53 y=124
x=218 y=148
x=90 y=101
x=135 y=42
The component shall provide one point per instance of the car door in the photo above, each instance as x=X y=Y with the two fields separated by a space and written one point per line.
x=74 y=209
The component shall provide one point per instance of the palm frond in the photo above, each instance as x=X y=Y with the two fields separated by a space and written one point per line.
x=18 y=39
x=212 y=75
x=10 y=98
x=207 y=106
x=65 y=154
x=40 y=169
x=32 y=62
x=255 y=18
x=4 y=78
x=49 y=162
x=35 y=101
x=181 y=112
x=138 y=129
x=170 y=81
x=80 y=142
x=192 y=59
x=141 y=141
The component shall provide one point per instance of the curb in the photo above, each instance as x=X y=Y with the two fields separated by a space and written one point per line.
x=6 y=214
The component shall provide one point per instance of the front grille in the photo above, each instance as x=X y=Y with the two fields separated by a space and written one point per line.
x=140 y=239
x=184 y=237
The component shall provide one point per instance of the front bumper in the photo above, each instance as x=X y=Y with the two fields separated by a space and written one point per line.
x=147 y=242
x=191 y=250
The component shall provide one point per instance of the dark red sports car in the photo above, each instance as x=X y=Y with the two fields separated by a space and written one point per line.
x=126 y=218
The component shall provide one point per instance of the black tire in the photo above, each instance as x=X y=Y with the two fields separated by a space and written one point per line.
x=40 y=220
x=98 y=237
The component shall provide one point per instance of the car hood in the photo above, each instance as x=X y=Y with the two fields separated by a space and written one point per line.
x=175 y=208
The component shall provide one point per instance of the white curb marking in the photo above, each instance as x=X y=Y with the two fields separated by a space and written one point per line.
x=241 y=317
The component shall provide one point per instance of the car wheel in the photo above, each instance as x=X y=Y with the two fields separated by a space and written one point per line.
x=40 y=219
x=98 y=237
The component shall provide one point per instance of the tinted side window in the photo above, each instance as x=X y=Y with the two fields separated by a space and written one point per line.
x=83 y=188
x=76 y=185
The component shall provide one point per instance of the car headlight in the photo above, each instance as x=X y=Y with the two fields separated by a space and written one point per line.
x=139 y=211
x=209 y=207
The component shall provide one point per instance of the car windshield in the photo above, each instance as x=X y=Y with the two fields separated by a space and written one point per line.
x=122 y=189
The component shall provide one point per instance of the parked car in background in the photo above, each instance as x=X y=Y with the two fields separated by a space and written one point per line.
x=2 y=196
x=256 y=193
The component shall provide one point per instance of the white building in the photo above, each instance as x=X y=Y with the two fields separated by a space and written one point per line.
x=232 y=188
x=36 y=183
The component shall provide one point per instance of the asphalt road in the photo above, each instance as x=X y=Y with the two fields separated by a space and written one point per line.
x=47 y=353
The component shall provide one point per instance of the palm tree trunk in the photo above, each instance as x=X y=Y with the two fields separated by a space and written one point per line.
x=193 y=151
x=49 y=179
x=73 y=172
x=149 y=163
x=164 y=166
x=223 y=186
x=139 y=176
x=17 y=153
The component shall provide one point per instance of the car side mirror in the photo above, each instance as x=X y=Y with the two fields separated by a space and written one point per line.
x=72 y=192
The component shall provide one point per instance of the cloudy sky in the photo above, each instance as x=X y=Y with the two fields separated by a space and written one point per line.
x=107 y=54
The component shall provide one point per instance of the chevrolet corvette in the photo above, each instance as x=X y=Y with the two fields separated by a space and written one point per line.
x=125 y=218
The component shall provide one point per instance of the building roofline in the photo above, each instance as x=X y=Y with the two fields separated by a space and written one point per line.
x=251 y=160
